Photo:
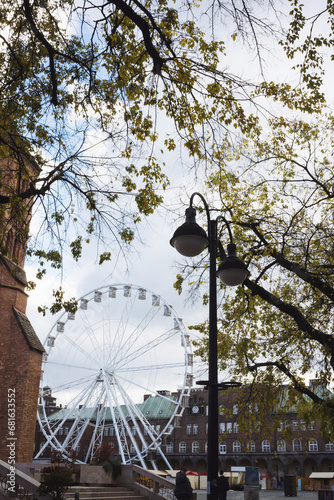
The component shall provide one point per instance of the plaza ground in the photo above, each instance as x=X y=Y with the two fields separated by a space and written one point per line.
x=274 y=495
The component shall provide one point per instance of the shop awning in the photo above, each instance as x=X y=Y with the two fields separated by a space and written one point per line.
x=322 y=475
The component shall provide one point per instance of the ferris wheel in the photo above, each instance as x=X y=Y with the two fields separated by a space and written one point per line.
x=120 y=362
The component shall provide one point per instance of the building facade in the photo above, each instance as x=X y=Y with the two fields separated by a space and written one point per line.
x=292 y=447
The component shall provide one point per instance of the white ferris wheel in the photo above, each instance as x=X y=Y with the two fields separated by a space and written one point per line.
x=123 y=343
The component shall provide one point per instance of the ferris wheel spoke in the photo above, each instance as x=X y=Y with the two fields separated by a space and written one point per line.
x=73 y=383
x=68 y=365
x=138 y=331
x=135 y=414
x=120 y=345
x=80 y=349
x=76 y=431
x=145 y=388
x=160 y=366
x=154 y=344
x=52 y=437
x=91 y=335
x=120 y=333
x=112 y=397
x=155 y=437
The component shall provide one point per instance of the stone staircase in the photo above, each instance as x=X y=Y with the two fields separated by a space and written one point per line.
x=101 y=493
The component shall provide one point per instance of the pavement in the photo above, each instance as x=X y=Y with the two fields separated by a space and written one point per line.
x=274 y=495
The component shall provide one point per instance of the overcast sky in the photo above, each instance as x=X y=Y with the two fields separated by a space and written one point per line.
x=152 y=265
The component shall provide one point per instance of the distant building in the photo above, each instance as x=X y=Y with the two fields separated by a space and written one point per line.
x=304 y=450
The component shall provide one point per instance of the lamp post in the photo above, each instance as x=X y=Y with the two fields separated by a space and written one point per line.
x=190 y=240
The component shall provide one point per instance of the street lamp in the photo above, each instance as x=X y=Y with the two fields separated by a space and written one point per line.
x=190 y=240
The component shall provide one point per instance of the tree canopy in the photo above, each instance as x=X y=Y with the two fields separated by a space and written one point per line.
x=83 y=87
x=81 y=78
x=276 y=190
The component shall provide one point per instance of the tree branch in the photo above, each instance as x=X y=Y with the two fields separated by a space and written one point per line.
x=296 y=268
x=295 y=314
x=158 y=61
x=297 y=385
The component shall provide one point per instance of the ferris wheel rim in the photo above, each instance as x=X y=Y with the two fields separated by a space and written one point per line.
x=184 y=390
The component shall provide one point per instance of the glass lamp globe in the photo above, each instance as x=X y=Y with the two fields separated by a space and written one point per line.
x=190 y=239
x=232 y=271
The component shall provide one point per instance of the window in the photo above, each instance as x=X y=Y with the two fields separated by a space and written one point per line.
x=313 y=445
x=132 y=449
x=182 y=447
x=295 y=426
x=189 y=429
x=195 y=428
x=257 y=426
x=111 y=430
x=235 y=427
x=157 y=428
x=229 y=426
x=222 y=447
x=236 y=446
x=253 y=408
x=106 y=431
x=112 y=446
x=287 y=424
x=281 y=446
x=280 y=427
x=66 y=430
x=61 y=431
x=206 y=428
x=251 y=447
x=169 y=447
x=221 y=410
x=235 y=409
x=206 y=447
x=265 y=445
x=195 y=447
x=297 y=445
x=329 y=447
x=311 y=426
x=134 y=431
x=222 y=427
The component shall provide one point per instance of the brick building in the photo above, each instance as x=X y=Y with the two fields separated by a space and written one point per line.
x=20 y=348
x=300 y=452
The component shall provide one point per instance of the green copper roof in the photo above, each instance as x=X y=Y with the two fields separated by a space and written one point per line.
x=154 y=407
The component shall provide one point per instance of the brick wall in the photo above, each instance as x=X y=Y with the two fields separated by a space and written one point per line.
x=20 y=367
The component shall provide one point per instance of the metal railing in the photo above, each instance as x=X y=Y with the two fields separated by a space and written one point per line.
x=150 y=484
x=16 y=484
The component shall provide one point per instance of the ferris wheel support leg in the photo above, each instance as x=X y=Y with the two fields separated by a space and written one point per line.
x=109 y=389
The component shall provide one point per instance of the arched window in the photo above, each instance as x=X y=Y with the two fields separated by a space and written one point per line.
x=251 y=447
x=236 y=446
x=313 y=445
x=297 y=445
x=265 y=445
x=222 y=447
x=195 y=447
x=182 y=447
x=281 y=446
